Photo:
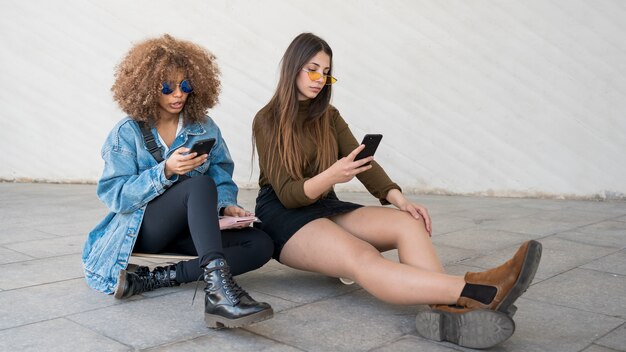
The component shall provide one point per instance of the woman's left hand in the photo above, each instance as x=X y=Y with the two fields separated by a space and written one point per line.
x=235 y=211
x=396 y=198
x=416 y=211
x=232 y=210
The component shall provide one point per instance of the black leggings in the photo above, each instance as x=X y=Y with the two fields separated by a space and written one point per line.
x=183 y=220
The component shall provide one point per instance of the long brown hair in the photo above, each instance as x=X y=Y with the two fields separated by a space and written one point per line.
x=280 y=124
x=147 y=64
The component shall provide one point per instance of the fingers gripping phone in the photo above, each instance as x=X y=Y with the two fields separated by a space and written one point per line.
x=203 y=146
x=371 y=142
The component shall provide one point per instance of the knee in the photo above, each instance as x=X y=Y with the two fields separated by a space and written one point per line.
x=201 y=184
x=410 y=227
x=201 y=181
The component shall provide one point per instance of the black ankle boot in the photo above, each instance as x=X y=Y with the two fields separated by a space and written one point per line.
x=143 y=280
x=225 y=303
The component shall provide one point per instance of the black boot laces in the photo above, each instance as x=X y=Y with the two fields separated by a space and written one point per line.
x=149 y=281
x=232 y=289
x=146 y=283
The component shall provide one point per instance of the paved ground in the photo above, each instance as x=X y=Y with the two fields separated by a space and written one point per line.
x=575 y=304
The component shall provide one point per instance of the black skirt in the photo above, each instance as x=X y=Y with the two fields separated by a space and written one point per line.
x=281 y=223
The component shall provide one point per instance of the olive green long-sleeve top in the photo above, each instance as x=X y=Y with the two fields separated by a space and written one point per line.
x=290 y=191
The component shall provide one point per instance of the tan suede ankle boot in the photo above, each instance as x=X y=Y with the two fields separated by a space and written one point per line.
x=510 y=279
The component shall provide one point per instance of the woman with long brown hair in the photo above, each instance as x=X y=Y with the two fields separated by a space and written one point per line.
x=305 y=148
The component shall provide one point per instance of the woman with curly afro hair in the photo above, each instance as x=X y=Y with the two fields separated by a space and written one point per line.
x=166 y=196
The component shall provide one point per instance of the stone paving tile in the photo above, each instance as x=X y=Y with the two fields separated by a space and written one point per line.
x=556 y=257
x=545 y=204
x=50 y=247
x=480 y=239
x=614 y=263
x=40 y=215
x=596 y=348
x=529 y=226
x=296 y=285
x=617 y=228
x=148 y=322
x=49 y=301
x=353 y=322
x=579 y=309
x=598 y=238
x=56 y=335
x=572 y=216
x=616 y=208
x=40 y=271
x=448 y=223
x=506 y=212
x=73 y=228
x=584 y=289
x=616 y=339
x=226 y=340
x=545 y=327
x=14 y=234
x=413 y=343
x=10 y=256
x=451 y=208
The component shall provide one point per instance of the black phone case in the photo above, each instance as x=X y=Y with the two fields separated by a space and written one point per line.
x=371 y=142
x=203 y=146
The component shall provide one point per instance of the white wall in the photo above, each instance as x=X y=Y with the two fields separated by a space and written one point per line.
x=506 y=98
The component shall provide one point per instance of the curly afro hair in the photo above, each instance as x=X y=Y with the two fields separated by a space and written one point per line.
x=139 y=76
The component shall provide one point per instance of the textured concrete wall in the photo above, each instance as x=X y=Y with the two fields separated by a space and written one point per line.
x=506 y=98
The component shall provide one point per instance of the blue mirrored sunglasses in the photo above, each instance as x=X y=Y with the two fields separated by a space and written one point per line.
x=185 y=87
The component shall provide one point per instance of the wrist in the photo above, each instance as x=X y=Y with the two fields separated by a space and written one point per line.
x=395 y=197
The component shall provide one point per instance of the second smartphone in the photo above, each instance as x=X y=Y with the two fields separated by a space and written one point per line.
x=371 y=142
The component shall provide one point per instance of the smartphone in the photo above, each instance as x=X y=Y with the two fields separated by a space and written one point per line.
x=371 y=142
x=203 y=146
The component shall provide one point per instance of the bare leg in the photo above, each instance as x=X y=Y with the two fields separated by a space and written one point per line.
x=387 y=228
x=323 y=246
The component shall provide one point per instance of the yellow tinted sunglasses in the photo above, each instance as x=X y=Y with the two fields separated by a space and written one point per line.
x=314 y=76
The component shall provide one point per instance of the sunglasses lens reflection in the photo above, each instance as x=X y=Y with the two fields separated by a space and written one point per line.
x=165 y=88
x=185 y=86
x=314 y=76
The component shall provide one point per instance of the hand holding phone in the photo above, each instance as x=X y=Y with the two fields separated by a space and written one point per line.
x=203 y=146
x=371 y=142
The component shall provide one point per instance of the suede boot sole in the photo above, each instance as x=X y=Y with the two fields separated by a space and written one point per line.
x=479 y=328
x=525 y=278
x=219 y=322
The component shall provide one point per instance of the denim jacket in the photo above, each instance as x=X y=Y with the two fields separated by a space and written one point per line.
x=130 y=180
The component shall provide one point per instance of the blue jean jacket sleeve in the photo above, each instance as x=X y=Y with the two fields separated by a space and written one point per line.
x=126 y=185
x=221 y=171
x=130 y=180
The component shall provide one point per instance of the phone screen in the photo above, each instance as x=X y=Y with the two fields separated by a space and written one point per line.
x=371 y=142
x=203 y=146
